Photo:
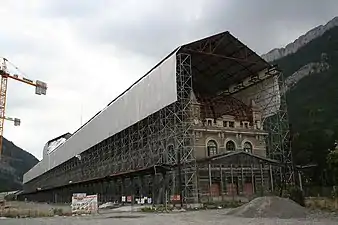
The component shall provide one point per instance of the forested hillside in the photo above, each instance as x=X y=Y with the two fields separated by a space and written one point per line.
x=15 y=162
x=313 y=103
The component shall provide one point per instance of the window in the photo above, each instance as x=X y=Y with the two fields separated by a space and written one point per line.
x=258 y=124
x=246 y=125
x=232 y=124
x=212 y=148
x=247 y=147
x=241 y=124
x=230 y=146
x=209 y=122
x=225 y=123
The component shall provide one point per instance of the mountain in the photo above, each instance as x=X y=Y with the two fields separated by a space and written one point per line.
x=310 y=70
x=293 y=47
x=14 y=163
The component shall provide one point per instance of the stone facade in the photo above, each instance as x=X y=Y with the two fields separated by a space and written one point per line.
x=227 y=133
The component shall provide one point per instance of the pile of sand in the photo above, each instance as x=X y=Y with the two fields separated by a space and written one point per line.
x=270 y=207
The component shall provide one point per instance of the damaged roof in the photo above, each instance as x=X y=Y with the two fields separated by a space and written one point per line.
x=220 y=61
x=216 y=107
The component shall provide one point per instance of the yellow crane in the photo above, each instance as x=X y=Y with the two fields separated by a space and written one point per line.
x=16 y=121
x=40 y=89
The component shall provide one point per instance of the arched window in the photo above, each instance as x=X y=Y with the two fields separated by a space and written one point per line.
x=247 y=147
x=212 y=148
x=230 y=146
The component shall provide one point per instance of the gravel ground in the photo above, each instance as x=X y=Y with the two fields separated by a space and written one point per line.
x=184 y=218
x=38 y=206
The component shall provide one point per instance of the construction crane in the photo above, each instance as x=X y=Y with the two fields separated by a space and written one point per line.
x=16 y=121
x=40 y=89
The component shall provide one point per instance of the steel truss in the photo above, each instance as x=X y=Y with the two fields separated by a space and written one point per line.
x=278 y=141
x=277 y=125
x=237 y=174
x=164 y=137
x=184 y=150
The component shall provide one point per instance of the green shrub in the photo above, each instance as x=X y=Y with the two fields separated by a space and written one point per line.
x=148 y=209
x=10 y=197
x=297 y=195
x=334 y=193
x=58 y=211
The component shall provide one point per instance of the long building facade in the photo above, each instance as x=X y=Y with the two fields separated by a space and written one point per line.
x=207 y=123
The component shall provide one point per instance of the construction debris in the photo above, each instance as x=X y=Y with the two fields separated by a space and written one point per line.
x=270 y=207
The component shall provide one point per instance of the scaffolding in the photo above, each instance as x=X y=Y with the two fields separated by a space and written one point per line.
x=155 y=156
x=236 y=176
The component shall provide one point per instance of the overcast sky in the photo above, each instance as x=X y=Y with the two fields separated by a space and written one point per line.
x=89 y=51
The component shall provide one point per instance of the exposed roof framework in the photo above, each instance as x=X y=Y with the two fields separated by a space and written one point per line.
x=66 y=135
x=135 y=173
x=215 y=107
x=220 y=61
x=217 y=62
x=239 y=158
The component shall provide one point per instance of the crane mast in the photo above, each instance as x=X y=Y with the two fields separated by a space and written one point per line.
x=3 y=93
x=40 y=89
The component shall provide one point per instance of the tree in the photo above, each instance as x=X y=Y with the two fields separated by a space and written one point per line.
x=332 y=161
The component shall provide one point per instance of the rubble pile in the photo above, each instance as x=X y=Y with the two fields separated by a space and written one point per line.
x=270 y=207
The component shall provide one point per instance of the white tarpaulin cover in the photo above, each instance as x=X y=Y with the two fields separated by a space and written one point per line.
x=54 y=144
x=157 y=90
x=153 y=92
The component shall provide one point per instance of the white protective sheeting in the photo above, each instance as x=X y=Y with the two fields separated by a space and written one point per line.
x=266 y=95
x=152 y=93
x=54 y=144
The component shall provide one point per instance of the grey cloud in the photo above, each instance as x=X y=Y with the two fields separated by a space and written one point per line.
x=154 y=33
x=155 y=38
x=22 y=44
x=259 y=23
x=149 y=28
x=73 y=9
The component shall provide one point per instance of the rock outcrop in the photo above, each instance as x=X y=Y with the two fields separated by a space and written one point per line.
x=278 y=53
x=304 y=71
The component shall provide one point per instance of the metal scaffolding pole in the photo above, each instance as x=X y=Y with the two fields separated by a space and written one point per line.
x=166 y=137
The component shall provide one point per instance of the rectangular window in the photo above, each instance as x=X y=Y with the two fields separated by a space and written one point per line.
x=225 y=123
x=232 y=124
x=212 y=151
x=246 y=125
x=209 y=122
x=258 y=124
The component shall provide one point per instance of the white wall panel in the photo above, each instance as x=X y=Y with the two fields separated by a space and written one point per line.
x=152 y=93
